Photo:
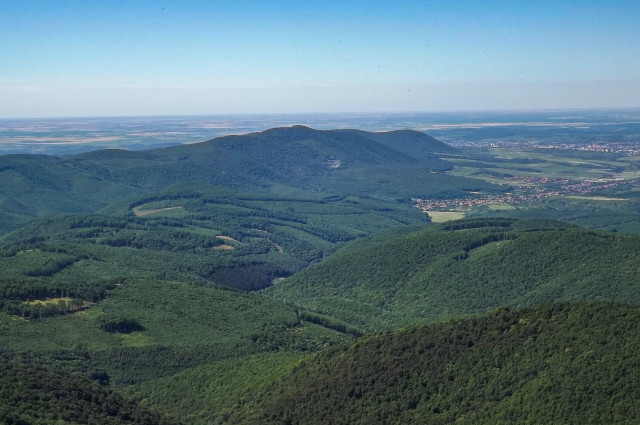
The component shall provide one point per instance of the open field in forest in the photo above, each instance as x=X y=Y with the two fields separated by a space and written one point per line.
x=444 y=216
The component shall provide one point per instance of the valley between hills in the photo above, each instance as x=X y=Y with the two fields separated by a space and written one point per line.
x=301 y=276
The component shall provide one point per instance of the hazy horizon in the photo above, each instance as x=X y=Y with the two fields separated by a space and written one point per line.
x=448 y=112
x=70 y=135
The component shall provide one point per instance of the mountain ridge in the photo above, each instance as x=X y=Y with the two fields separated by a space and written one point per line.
x=287 y=160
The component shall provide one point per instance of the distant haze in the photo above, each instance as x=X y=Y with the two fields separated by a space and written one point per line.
x=68 y=58
x=59 y=136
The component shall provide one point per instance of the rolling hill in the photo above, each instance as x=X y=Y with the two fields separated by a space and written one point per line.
x=561 y=364
x=72 y=368
x=100 y=312
x=463 y=268
x=287 y=160
x=243 y=280
x=37 y=186
x=282 y=162
x=197 y=234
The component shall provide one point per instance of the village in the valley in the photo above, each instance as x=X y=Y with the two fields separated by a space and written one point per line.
x=630 y=148
x=526 y=190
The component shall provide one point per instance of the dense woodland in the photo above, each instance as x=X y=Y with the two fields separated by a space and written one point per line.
x=551 y=364
x=35 y=395
x=463 y=268
x=286 y=277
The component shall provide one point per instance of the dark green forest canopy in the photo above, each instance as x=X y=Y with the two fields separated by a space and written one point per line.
x=560 y=363
x=142 y=331
x=227 y=282
x=198 y=234
x=282 y=161
x=36 y=395
x=463 y=268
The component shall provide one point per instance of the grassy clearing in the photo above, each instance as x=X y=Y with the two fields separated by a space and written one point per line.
x=48 y=301
x=227 y=238
x=478 y=173
x=136 y=339
x=139 y=212
x=501 y=207
x=224 y=247
x=630 y=174
x=444 y=216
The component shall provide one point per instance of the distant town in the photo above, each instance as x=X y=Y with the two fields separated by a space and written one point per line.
x=526 y=189
x=630 y=148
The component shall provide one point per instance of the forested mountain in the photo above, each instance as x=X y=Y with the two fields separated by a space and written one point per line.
x=242 y=280
x=38 y=185
x=413 y=143
x=280 y=162
x=465 y=267
x=561 y=364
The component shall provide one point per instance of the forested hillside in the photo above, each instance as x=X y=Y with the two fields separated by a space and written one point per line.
x=38 y=186
x=283 y=162
x=203 y=235
x=243 y=280
x=465 y=267
x=560 y=363
x=288 y=160
x=36 y=395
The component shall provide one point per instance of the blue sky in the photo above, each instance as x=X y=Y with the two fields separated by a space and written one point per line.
x=86 y=58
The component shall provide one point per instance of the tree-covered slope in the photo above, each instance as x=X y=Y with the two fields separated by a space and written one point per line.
x=37 y=185
x=213 y=392
x=291 y=157
x=36 y=395
x=282 y=161
x=466 y=267
x=413 y=143
x=146 y=329
x=201 y=235
x=295 y=158
x=561 y=363
x=72 y=367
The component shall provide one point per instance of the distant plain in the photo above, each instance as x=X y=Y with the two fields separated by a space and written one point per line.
x=60 y=136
